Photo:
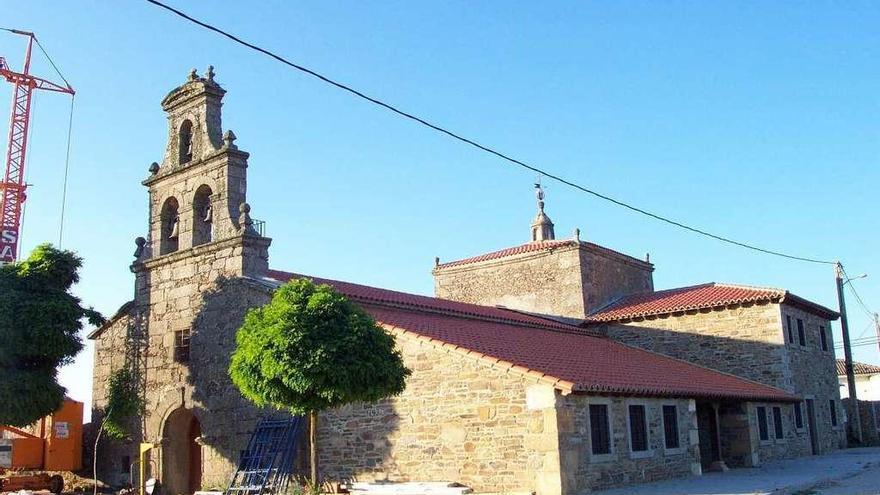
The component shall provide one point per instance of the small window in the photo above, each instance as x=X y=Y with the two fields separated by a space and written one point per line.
x=762 y=423
x=638 y=428
x=777 y=423
x=798 y=416
x=181 y=346
x=790 y=329
x=802 y=337
x=670 y=427
x=833 y=408
x=600 y=429
x=823 y=338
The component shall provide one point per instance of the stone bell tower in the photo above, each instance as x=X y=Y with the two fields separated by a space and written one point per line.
x=197 y=209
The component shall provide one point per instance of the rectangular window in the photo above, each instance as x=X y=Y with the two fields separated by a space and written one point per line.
x=638 y=428
x=790 y=329
x=802 y=337
x=777 y=423
x=181 y=346
x=762 y=423
x=670 y=427
x=600 y=429
x=823 y=338
x=833 y=408
x=798 y=416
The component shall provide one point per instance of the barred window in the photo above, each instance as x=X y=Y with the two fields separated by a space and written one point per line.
x=802 y=337
x=181 y=346
x=833 y=408
x=789 y=328
x=762 y=423
x=638 y=428
x=798 y=416
x=823 y=338
x=777 y=422
x=600 y=429
x=670 y=427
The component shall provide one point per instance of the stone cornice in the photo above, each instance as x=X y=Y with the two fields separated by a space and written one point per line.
x=165 y=259
x=205 y=162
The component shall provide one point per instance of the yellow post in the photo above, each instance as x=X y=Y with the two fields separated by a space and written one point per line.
x=145 y=447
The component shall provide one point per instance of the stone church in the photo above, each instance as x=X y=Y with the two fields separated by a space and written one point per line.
x=553 y=367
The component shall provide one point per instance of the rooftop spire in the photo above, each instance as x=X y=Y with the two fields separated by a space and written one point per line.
x=542 y=226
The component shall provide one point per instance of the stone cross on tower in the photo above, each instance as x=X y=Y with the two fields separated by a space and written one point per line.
x=542 y=226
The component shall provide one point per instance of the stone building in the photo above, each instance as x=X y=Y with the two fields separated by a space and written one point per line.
x=521 y=382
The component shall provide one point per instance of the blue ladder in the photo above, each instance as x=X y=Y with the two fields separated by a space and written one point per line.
x=267 y=464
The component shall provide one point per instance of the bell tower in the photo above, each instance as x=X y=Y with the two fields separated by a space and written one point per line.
x=197 y=205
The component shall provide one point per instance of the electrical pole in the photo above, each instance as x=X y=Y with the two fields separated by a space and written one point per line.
x=877 y=327
x=854 y=423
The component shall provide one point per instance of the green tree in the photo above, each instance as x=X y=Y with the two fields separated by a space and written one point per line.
x=40 y=322
x=311 y=349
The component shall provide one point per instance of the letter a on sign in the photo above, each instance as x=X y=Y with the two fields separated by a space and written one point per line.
x=8 y=246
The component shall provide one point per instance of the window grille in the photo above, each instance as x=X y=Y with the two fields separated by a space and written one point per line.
x=600 y=434
x=181 y=346
x=670 y=426
x=638 y=428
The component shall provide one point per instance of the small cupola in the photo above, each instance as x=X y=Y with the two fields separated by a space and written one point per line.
x=542 y=226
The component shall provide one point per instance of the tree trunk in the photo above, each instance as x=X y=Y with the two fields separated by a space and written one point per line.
x=313 y=448
x=95 y=457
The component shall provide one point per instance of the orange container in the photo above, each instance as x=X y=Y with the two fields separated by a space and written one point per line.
x=63 y=436
x=27 y=453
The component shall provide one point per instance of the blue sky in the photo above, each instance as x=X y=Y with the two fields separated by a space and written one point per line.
x=754 y=120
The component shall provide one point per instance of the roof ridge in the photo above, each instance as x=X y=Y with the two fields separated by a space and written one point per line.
x=545 y=323
x=502 y=253
x=750 y=287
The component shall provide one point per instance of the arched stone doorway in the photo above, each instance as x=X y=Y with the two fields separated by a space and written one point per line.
x=181 y=454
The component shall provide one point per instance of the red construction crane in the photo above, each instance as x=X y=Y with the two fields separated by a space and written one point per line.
x=12 y=189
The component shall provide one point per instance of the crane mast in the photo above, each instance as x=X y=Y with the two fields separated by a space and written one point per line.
x=12 y=189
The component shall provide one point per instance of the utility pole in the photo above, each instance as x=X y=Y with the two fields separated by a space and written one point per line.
x=854 y=423
x=877 y=327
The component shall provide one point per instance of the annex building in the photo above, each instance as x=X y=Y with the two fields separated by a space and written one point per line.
x=553 y=367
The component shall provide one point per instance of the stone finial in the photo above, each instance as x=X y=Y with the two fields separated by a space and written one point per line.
x=154 y=168
x=209 y=74
x=436 y=261
x=193 y=75
x=577 y=234
x=245 y=222
x=140 y=242
x=647 y=257
x=229 y=140
x=542 y=226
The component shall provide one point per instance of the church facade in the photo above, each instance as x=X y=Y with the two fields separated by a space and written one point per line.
x=553 y=367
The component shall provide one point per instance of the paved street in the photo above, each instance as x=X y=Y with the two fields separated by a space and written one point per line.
x=849 y=472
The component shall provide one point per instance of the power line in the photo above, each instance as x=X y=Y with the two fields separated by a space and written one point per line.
x=479 y=146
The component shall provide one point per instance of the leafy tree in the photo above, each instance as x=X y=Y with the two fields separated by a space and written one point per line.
x=311 y=349
x=40 y=321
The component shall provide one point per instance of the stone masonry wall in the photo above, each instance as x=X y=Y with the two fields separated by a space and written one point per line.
x=749 y=341
x=608 y=276
x=583 y=472
x=546 y=282
x=745 y=341
x=458 y=420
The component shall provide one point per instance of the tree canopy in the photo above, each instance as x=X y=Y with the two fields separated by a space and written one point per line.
x=310 y=349
x=40 y=322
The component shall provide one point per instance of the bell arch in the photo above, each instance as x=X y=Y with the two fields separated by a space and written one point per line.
x=203 y=216
x=185 y=142
x=169 y=231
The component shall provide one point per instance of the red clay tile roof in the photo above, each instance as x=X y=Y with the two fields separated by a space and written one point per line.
x=565 y=355
x=859 y=368
x=533 y=247
x=711 y=295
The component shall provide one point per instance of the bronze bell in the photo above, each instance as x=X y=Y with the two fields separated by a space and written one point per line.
x=174 y=229
x=209 y=214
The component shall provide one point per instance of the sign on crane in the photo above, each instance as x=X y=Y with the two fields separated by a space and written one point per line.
x=12 y=188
